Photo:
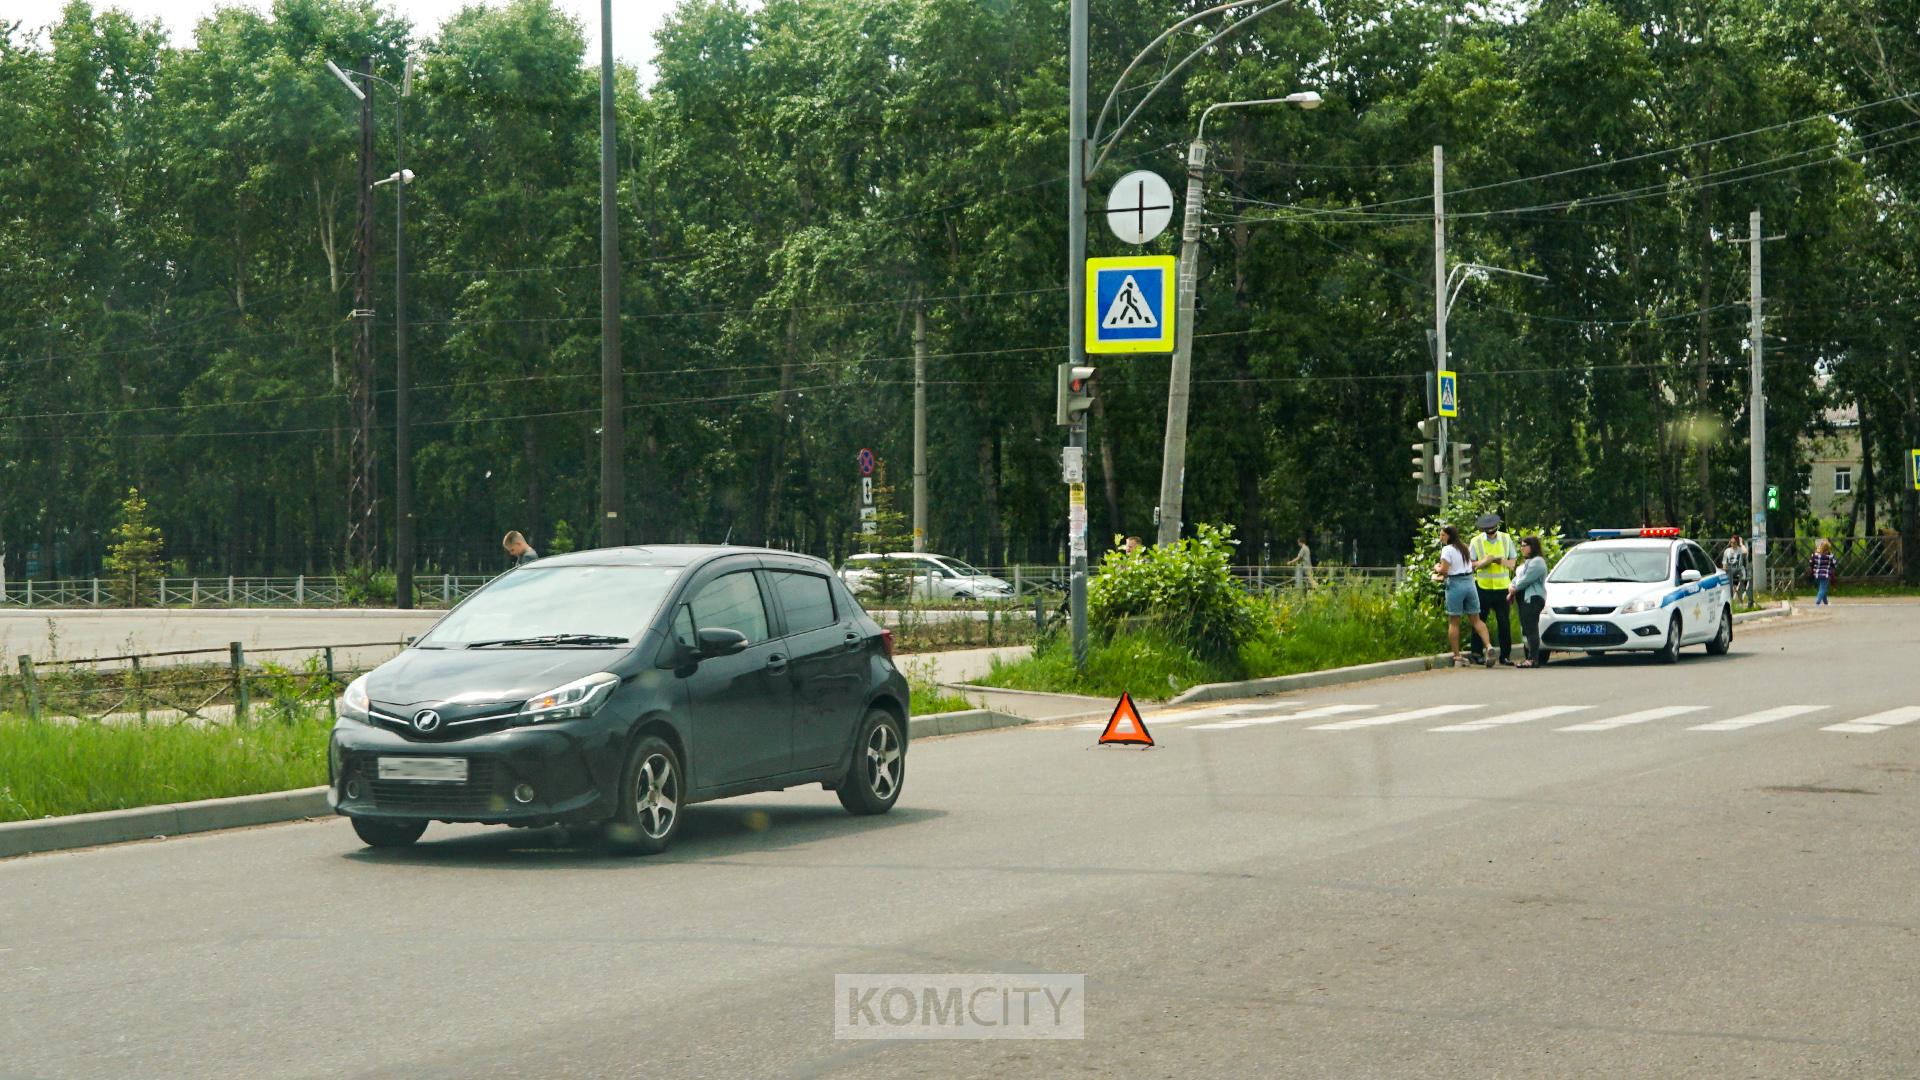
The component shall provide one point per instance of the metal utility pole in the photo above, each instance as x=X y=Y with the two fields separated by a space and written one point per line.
x=1173 y=459
x=613 y=443
x=1440 y=299
x=1076 y=310
x=360 y=479
x=402 y=386
x=920 y=425
x=1757 y=406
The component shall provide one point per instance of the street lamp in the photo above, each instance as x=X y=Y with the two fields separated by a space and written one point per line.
x=402 y=383
x=1173 y=457
x=1079 y=147
x=1457 y=278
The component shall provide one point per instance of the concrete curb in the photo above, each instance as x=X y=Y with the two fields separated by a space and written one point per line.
x=172 y=819
x=959 y=723
x=207 y=815
x=1309 y=680
x=1785 y=610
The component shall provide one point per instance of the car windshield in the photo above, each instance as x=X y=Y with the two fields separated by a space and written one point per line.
x=571 y=604
x=960 y=568
x=1645 y=565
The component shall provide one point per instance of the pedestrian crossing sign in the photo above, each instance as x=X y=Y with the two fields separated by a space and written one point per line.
x=1130 y=304
x=1449 y=394
x=1913 y=466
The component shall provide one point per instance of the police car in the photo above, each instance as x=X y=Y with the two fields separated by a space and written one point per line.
x=1637 y=589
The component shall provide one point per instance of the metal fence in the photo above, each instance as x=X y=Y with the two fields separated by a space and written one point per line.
x=217 y=684
x=439 y=590
x=1861 y=558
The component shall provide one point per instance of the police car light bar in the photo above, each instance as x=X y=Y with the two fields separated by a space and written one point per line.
x=1630 y=534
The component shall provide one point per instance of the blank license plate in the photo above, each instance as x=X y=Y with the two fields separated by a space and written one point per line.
x=442 y=770
x=1585 y=629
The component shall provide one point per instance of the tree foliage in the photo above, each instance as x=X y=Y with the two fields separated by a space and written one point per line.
x=177 y=260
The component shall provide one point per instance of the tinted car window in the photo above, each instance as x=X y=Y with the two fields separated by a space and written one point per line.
x=618 y=601
x=732 y=602
x=807 y=600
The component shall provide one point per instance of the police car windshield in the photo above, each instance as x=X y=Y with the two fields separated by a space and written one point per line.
x=1595 y=563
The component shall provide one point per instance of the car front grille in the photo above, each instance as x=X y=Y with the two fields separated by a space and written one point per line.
x=1578 y=610
x=477 y=795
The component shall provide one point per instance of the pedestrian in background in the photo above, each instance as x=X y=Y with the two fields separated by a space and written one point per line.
x=1455 y=572
x=518 y=549
x=1529 y=592
x=1823 y=566
x=1134 y=544
x=1302 y=564
x=1494 y=555
x=1735 y=562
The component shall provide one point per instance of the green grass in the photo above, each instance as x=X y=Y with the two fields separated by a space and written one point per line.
x=52 y=767
x=1328 y=627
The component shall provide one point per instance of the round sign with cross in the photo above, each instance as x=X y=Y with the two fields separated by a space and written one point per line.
x=866 y=462
x=1139 y=206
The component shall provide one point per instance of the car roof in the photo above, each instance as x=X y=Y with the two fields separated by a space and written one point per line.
x=1635 y=542
x=663 y=555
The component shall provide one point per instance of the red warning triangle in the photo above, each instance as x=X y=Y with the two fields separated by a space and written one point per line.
x=1125 y=726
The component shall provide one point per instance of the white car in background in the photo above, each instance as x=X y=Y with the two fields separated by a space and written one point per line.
x=1648 y=590
x=935 y=577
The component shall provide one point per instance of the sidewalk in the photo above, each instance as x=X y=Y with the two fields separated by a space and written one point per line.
x=956 y=665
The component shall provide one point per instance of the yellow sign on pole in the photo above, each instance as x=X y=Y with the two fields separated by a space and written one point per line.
x=1130 y=304
x=1449 y=394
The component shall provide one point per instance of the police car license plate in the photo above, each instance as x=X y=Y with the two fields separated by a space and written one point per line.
x=1584 y=629
x=439 y=770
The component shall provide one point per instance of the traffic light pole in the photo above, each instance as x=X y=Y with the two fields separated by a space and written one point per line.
x=1076 y=311
x=1440 y=301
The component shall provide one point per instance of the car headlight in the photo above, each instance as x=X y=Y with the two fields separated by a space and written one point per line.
x=354 y=701
x=582 y=697
x=1645 y=603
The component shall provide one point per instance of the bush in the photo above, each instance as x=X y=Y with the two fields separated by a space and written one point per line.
x=1465 y=506
x=367 y=586
x=1186 y=590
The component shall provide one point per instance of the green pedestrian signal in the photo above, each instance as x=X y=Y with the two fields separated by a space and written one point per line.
x=1773 y=496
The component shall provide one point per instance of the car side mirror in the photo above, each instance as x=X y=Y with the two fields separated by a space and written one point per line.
x=720 y=641
x=1688 y=577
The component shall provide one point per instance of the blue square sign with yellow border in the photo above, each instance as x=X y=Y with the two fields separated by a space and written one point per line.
x=1130 y=304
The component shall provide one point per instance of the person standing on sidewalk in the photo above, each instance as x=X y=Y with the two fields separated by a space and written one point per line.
x=1823 y=565
x=1734 y=561
x=1530 y=592
x=1494 y=556
x=1455 y=572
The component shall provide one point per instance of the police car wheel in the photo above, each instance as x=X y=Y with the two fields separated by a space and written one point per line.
x=1723 y=640
x=1670 y=652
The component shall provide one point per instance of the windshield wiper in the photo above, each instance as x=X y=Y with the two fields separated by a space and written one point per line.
x=544 y=640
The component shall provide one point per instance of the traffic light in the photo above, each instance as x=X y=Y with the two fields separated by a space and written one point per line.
x=1423 y=470
x=1773 y=496
x=1073 y=393
x=1463 y=464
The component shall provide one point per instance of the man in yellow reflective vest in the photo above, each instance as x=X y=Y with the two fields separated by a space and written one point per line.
x=1494 y=556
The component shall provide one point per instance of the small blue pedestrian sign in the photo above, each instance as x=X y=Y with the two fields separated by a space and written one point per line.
x=1449 y=394
x=1913 y=466
x=1130 y=304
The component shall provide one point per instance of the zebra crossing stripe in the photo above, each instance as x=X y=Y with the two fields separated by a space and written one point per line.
x=1394 y=718
x=1878 y=722
x=1305 y=714
x=1640 y=717
x=1543 y=713
x=1764 y=716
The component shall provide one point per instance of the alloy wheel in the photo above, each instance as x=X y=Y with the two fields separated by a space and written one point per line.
x=657 y=797
x=883 y=761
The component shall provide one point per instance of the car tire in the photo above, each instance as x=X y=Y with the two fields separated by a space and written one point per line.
x=879 y=766
x=653 y=799
x=1670 y=652
x=1723 y=641
x=387 y=834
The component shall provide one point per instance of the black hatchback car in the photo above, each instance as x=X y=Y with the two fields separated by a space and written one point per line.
x=616 y=687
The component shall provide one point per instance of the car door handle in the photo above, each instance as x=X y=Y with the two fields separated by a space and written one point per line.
x=776 y=663
x=853 y=640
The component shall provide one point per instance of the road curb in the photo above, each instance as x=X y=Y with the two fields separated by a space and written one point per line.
x=1785 y=610
x=207 y=815
x=171 y=819
x=224 y=612
x=1308 y=680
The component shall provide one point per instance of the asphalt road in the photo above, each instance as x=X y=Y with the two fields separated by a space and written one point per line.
x=1278 y=889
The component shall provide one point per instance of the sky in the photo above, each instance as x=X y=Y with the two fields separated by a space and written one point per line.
x=634 y=21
